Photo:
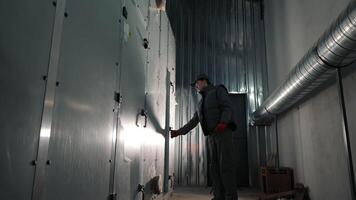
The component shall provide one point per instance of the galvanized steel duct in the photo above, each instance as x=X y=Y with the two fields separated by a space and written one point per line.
x=335 y=49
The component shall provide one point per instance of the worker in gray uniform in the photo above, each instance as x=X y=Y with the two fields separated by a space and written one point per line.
x=215 y=115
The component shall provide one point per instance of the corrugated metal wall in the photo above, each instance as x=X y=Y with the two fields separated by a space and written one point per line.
x=224 y=39
x=63 y=133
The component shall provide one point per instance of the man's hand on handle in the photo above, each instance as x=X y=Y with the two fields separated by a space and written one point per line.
x=220 y=128
x=174 y=133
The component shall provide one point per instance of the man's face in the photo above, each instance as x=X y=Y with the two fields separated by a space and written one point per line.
x=200 y=85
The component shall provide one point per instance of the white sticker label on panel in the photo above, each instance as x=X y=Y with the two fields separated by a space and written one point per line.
x=127 y=33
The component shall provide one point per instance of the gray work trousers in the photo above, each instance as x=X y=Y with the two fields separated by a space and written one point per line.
x=222 y=165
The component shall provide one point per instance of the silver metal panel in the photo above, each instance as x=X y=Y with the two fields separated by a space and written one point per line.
x=157 y=69
x=164 y=26
x=81 y=136
x=143 y=8
x=164 y=37
x=46 y=123
x=82 y=133
x=171 y=60
x=131 y=168
x=156 y=90
x=25 y=42
x=224 y=39
x=143 y=86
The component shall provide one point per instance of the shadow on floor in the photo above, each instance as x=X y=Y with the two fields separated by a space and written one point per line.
x=202 y=193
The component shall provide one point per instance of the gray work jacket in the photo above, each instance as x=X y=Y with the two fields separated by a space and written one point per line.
x=217 y=108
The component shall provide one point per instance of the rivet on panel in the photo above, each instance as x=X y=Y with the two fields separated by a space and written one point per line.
x=124 y=12
x=44 y=77
x=34 y=163
x=57 y=83
x=54 y=3
x=48 y=162
x=145 y=43
x=65 y=14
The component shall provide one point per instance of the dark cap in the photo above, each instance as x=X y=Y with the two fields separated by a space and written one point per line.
x=200 y=77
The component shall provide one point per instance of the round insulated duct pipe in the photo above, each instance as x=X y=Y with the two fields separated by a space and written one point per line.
x=336 y=48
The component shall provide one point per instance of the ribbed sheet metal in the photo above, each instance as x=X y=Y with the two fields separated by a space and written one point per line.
x=224 y=39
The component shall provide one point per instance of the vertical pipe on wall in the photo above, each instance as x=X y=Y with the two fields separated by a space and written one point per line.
x=277 y=142
x=167 y=129
x=254 y=58
x=115 y=138
x=266 y=143
x=264 y=54
x=258 y=146
x=114 y=148
x=244 y=47
x=346 y=135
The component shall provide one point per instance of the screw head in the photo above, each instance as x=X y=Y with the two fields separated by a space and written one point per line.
x=34 y=162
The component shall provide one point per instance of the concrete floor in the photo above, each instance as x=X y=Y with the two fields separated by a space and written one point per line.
x=201 y=193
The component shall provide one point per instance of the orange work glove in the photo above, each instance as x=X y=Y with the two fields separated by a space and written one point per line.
x=220 y=128
x=174 y=133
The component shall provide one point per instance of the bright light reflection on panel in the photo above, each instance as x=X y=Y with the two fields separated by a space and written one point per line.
x=134 y=137
x=45 y=132
x=153 y=138
x=113 y=136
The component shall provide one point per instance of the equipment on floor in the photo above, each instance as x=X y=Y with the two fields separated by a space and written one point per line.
x=275 y=180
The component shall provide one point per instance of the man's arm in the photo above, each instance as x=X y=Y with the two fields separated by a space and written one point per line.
x=187 y=127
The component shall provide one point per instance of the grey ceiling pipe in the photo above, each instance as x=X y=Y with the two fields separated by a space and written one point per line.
x=335 y=49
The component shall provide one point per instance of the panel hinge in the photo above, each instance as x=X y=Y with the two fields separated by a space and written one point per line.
x=113 y=196
x=118 y=97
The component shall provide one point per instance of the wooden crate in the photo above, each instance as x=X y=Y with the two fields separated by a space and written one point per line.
x=276 y=180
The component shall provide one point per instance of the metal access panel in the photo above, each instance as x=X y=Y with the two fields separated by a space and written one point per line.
x=25 y=40
x=83 y=117
x=155 y=102
x=143 y=87
x=132 y=88
x=156 y=88
x=143 y=7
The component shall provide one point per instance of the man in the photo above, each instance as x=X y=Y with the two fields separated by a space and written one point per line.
x=216 y=117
